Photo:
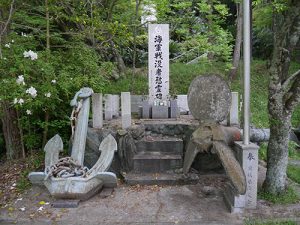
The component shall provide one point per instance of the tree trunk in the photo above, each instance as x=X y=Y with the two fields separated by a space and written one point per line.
x=238 y=42
x=11 y=132
x=277 y=157
x=284 y=95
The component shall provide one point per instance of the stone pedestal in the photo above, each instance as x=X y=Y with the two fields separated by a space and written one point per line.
x=247 y=155
x=160 y=112
x=97 y=110
x=126 y=109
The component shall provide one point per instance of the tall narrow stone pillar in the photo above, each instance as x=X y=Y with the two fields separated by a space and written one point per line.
x=234 y=109
x=108 y=107
x=97 y=109
x=247 y=155
x=126 y=109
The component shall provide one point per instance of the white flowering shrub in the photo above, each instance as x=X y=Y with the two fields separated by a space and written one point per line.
x=38 y=82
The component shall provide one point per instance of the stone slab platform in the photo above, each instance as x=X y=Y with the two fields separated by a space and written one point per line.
x=166 y=145
x=160 y=179
x=156 y=162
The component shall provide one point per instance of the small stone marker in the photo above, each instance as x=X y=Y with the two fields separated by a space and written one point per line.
x=116 y=105
x=126 y=109
x=52 y=149
x=247 y=155
x=209 y=98
x=146 y=110
x=174 y=111
x=108 y=107
x=158 y=62
x=97 y=110
x=234 y=109
x=182 y=103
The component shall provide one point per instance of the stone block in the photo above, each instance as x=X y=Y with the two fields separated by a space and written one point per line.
x=126 y=109
x=160 y=112
x=97 y=109
x=247 y=155
x=146 y=110
x=174 y=111
x=155 y=162
x=165 y=145
x=37 y=178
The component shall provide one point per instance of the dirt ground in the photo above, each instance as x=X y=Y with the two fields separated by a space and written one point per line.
x=190 y=204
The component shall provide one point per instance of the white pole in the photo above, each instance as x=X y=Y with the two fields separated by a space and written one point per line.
x=246 y=46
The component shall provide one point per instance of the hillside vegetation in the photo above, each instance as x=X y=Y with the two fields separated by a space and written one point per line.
x=181 y=76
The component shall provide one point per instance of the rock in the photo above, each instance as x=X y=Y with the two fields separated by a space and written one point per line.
x=209 y=98
x=137 y=131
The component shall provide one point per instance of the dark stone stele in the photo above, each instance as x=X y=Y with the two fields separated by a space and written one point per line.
x=209 y=98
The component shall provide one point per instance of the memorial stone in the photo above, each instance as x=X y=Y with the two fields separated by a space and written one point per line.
x=126 y=109
x=97 y=110
x=108 y=107
x=158 y=62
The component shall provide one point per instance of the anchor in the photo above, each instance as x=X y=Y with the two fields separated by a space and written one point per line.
x=67 y=178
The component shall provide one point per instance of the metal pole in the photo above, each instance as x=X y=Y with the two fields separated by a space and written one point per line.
x=246 y=46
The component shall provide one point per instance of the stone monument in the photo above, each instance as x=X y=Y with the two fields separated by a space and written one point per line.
x=158 y=62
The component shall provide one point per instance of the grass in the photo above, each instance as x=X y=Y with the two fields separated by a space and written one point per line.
x=181 y=75
x=269 y=222
x=292 y=148
x=33 y=163
x=293 y=173
x=289 y=197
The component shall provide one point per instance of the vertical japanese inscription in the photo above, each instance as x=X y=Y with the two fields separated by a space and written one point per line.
x=158 y=54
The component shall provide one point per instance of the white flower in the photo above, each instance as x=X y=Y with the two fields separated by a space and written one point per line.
x=15 y=101
x=12 y=41
x=21 y=101
x=22 y=209
x=40 y=209
x=53 y=81
x=30 y=54
x=20 y=80
x=28 y=112
x=32 y=91
x=48 y=95
x=7 y=45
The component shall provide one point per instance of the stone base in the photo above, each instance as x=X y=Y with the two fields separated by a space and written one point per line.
x=160 y=178
x=160 y=112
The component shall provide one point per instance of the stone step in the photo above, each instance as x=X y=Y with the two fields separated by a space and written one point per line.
x=160 y=178
x=154 y=162
x=160 y=144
